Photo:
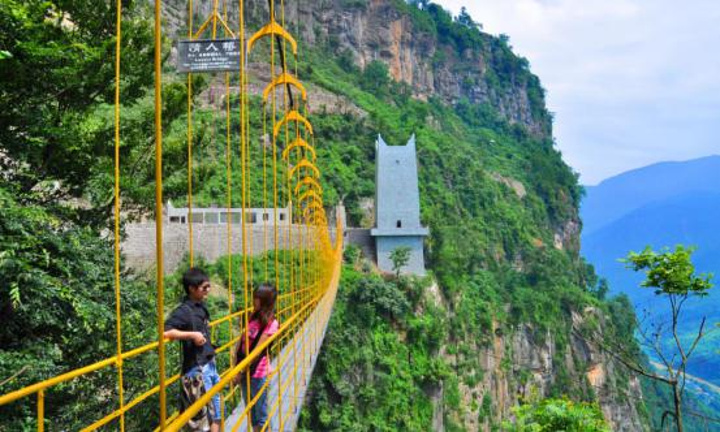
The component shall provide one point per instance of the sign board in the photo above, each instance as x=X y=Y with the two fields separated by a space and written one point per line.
x=208 y=55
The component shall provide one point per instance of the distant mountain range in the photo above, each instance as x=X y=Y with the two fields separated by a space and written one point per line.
x=620 y=195
x=660 y=206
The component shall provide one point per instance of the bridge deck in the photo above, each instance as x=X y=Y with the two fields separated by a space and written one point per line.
x=291 y=405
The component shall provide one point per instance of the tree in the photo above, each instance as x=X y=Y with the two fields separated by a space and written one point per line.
x=57 y=82
x=400 y=257
x=57 y=86
x=466 y=20
x=58 y=314
x=558 y=415
x=375 y=77
x=672 y=275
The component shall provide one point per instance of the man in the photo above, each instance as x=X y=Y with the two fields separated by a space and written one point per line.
x=189 y=324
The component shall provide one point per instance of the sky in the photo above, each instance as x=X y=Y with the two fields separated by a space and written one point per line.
x=630 y=82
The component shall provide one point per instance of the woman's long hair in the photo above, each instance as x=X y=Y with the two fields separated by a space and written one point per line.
x=266 y=294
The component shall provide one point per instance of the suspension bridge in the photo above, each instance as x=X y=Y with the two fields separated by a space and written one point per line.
x=278 y=168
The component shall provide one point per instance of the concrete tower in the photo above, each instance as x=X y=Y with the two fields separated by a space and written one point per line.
x=397 y=206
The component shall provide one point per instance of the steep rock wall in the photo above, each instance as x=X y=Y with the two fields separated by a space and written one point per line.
x=517 y=366
x=380 y=30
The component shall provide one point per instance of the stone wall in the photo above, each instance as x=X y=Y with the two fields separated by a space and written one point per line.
x=361 y=238
x=209 y=242
x=416 y=261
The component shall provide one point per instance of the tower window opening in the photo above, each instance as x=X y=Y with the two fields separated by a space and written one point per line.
x=399 y=224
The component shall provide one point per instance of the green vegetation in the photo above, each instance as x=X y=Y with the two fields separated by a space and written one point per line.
x=559 y=415
x=379 y=358
x=57 y=303
x=489 y=247
x=399 y=258
x=672 y=275
x=54 y=148
x=392 y=344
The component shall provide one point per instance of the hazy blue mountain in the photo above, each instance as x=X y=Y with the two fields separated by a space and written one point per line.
x=619 y=195
x=631 y=217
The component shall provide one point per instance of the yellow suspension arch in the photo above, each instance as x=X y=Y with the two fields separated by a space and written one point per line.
x=311 y=182
x=293 y=116
x=313 y=205
x=272 y=28
x=316 y=219
x=297 y=143
x=309 y=194
x=285 y=79
x=305 y=164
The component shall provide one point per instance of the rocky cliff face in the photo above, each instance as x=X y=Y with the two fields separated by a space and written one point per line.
x=518 y=365
x=380 y=30
x=515 y=364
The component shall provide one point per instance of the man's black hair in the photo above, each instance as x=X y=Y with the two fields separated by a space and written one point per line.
x=194 y=277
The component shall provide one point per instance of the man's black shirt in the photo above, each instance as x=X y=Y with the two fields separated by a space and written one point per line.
x=192 y=316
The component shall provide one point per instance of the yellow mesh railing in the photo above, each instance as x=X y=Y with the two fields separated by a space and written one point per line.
x=290 y=177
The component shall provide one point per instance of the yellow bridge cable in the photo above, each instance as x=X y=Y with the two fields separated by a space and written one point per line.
x=190 y=142
x=311 y=264
x=118 y=315
x=160 y=274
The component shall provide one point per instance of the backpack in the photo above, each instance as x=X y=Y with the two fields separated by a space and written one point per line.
x=192 y=389
x=239 y=355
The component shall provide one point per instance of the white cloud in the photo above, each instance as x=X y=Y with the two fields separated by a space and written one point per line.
x=631 y=82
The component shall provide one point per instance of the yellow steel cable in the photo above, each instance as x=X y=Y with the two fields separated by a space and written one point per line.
x=264 y=183
x=222 y=413
x=275 y=165
x=229 y=199
x=309 y=276
x=244 y=148
x=243 y=365
x=228 y=157
x=159 y=208
x=274 y=119
x=189 y=143
x=291 y=273
x=229 y=203
x=299 y=284
x=275 y=215
x=118 y=315
x=41 y=411
x=248 y=153
x=287 y=79
x=214 y=19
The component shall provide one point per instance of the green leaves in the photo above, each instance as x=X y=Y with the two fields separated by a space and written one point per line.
x=558 y=415
x=670 y=272
x=369 y=377
x=57 y=67
x=400 y=257
x=58 y=308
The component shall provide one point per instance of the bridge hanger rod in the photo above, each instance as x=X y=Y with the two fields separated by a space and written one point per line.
x=278 y=40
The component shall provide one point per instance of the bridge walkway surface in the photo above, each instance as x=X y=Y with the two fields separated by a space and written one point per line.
x=293 y=380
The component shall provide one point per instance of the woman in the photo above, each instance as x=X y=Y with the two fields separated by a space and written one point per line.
x=261 y=326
